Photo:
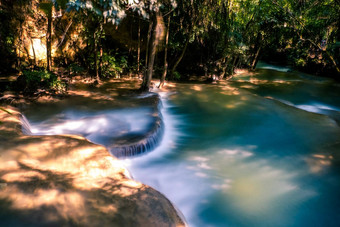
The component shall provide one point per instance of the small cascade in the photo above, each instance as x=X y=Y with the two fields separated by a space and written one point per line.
x=262 y=65
x=318 y=108
x=124 y=132
x=25 y=125
x=148 y=143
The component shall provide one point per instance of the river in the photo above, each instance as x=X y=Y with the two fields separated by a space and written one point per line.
x=259 y=150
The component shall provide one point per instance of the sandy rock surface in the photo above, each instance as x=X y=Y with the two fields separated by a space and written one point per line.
x=68 y=181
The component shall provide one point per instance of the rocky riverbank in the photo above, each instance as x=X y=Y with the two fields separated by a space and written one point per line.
x=65 y=180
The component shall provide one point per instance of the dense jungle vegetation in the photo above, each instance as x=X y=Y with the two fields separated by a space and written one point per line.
x=47 y=42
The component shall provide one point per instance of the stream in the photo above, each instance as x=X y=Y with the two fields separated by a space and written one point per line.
x=259 y=150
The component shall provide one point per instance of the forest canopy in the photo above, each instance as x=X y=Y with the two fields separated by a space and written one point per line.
x=169 y=39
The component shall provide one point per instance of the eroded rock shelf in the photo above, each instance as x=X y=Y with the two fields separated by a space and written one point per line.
x=65 y=180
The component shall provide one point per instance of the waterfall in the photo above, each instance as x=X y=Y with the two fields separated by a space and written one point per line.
x=124 y=132
x=25 y=125
x=151 y=141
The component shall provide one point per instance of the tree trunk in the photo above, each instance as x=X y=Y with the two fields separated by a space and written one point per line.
x=64 y=34
x=179 y=59
x=151 y=58
x=256 y=58
x=183 y=51
x=239 y=60
x=333 y=61
x=158 y=28
x=33 y=51
x=100 y=62
x=20 y=45
x=49 y=39
x=101 y=52
x=95 y=55
x=138 y=48
x=148 y=46
x=165 y=70
x=231 y=72
x=224 y=68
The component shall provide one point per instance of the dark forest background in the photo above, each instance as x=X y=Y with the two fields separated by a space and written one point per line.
x=44 y=41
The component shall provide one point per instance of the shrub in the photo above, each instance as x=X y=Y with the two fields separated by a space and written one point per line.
x=176 y=75
x=74 y=68
x=113 y=65
x=33 y=80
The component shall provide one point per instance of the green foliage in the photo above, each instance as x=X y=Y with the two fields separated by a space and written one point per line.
x=113 y=65
x=61 y=4
x=4 y=110
x=111 y=10
x=75 y=68
x=176 y=75
x=217 y=35
x=46 y=7
x=307 y=32
x=33 y=80
x=300 y=62
x=8 y=34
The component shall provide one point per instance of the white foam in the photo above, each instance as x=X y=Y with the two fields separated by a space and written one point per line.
x=97 y=127
x=316 y=107
x=313 y=107
x=170 y=133
x=262 y=65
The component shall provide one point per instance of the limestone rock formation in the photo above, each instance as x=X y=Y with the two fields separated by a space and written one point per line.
x=68 y=181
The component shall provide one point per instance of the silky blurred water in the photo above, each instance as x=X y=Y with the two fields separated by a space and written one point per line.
x=259 y=150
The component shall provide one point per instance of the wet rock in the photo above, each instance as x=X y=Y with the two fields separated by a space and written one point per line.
x=66 y=181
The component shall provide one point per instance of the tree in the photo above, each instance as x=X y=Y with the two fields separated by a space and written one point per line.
x=46 y=6
x=165 y=69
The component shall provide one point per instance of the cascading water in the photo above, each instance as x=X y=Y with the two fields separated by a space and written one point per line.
x=259 y=150
x=262 y=65
x=246 y=153
x=25 y=126
x=130 y=146
x=125 y=132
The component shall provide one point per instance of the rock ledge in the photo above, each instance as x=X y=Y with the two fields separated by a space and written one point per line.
x=68 y=181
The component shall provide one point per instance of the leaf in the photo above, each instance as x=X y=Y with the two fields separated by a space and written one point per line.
x=62 y=3
x=5 y=110
x=46 y=7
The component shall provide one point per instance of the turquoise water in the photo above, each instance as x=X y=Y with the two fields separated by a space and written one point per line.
x=259 y=150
